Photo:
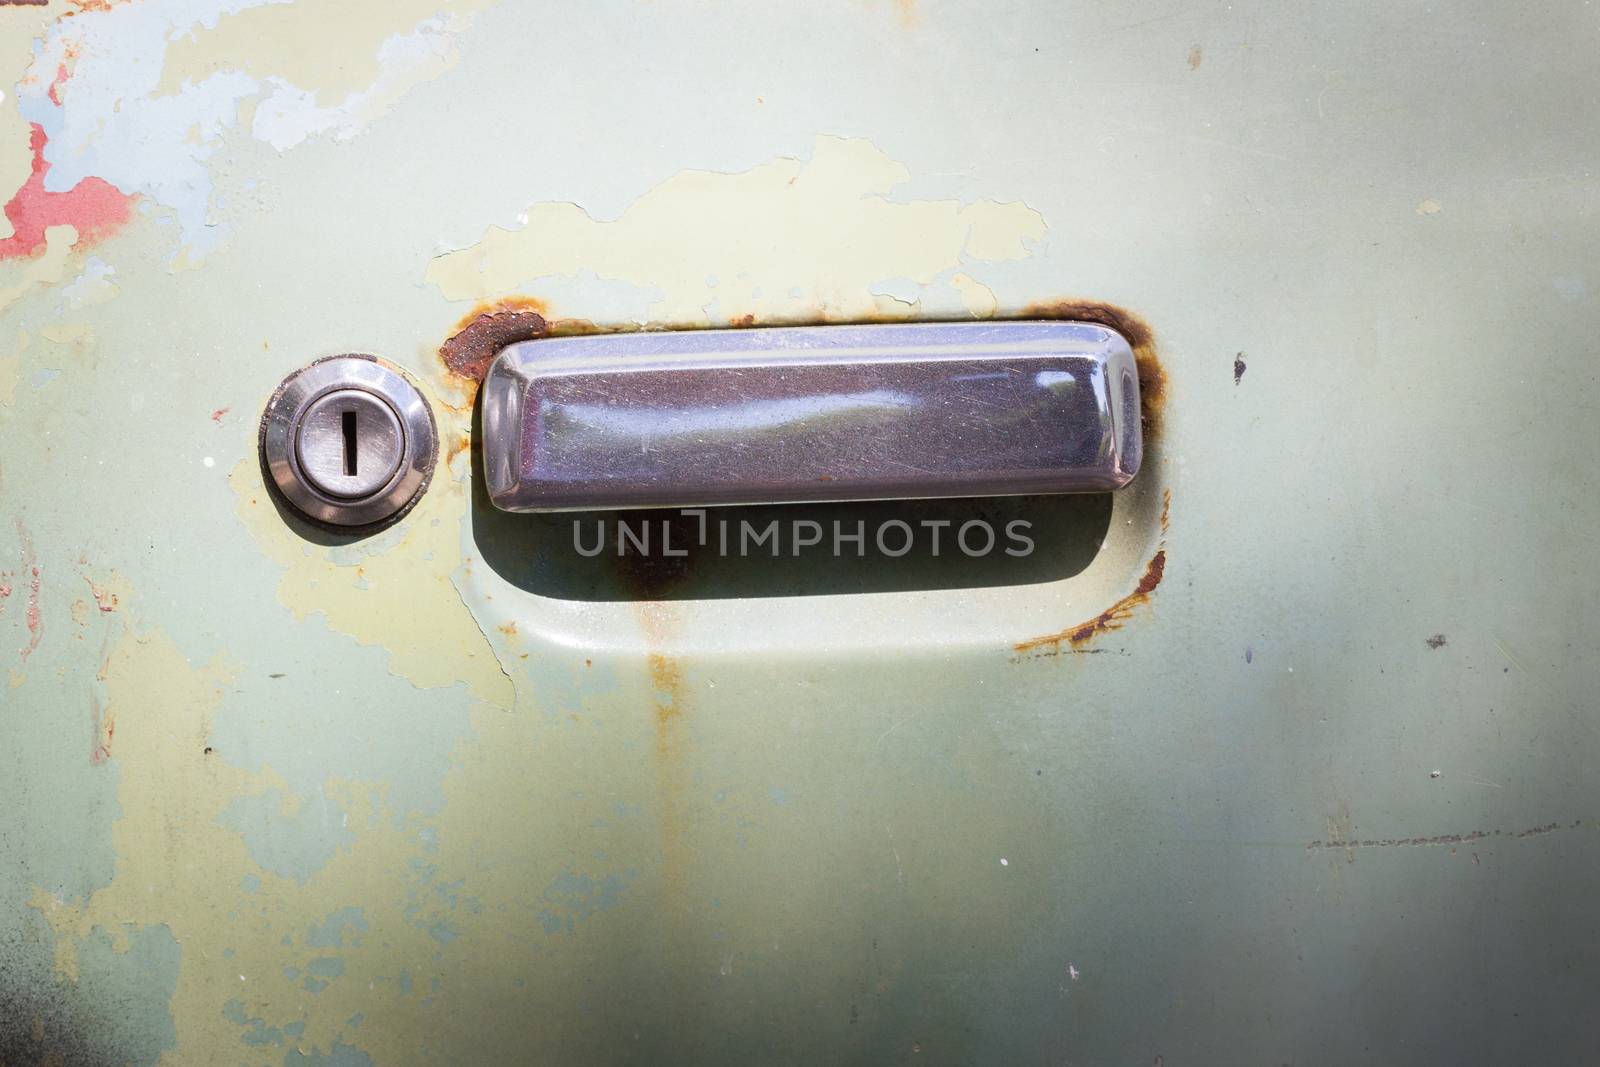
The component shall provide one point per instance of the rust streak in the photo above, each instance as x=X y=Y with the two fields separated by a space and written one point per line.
x=665 y=675
x=1338 y=843
x=667 y=679
x=1110 y=619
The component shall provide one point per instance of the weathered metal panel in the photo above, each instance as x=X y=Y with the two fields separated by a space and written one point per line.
x=1285 y=755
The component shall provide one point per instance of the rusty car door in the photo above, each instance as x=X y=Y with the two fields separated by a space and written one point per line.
x=1283 y=753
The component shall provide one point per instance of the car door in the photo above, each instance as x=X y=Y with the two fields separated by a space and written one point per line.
x=1283 y=753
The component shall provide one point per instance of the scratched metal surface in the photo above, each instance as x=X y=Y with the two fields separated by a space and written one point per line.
x=1289 y=760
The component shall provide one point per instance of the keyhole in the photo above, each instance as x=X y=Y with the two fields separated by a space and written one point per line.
x=348 y=418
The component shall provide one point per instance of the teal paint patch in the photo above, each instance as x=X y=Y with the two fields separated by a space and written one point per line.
x=313 y=985
x=330 y=932
x=250 y=883
x=117 y=1012
x=340 y=1055
x=259 y=1033
x=293 y=846
x=443 y=932
x=575 y=897
x=326 y=967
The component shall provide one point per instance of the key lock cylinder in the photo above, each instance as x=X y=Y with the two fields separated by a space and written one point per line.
x=349 y=441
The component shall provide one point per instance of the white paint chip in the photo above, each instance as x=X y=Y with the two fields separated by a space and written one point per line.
x=1004 y=862
x=208 y=461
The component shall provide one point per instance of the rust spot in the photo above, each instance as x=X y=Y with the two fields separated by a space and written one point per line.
x=509 y=628
x=1110 y=619
x=489 y=328
x=1195 y=56
x=743 y=322
x=1166 y=508
x=480 y=335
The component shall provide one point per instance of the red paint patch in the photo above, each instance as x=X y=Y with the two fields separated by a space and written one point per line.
x=61 y=76
x=216 y=416
x=95 y=207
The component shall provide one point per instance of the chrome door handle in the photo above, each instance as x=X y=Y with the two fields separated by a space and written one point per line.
x=810 y=413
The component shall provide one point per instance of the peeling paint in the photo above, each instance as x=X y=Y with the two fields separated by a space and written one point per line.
x=131 y=127
x=92 y=207
x=788 y=240
x=45 y=268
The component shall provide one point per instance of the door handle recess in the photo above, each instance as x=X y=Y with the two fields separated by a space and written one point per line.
x=810 y=413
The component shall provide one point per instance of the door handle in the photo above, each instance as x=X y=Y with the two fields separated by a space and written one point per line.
x=810 y=413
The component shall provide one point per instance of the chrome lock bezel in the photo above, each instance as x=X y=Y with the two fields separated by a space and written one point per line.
x=280 y=430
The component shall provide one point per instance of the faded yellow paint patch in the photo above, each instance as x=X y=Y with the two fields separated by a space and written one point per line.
x=458 y=903
x=330 y=50
x=178 y=866
x=781 y=242
x=393 y=590
x=46 y=268
x=977 y=298
x=164 y=710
